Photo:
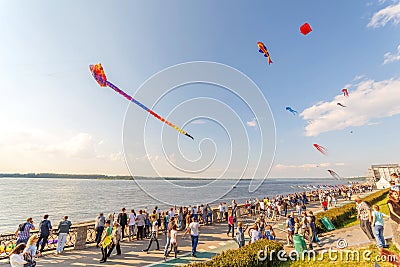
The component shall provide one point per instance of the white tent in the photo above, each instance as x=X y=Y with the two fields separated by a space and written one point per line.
x=382 y=184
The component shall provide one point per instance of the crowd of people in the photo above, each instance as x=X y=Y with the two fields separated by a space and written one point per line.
x=148 y=224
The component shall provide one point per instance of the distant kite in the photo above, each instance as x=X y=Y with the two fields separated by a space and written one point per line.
x=345 y=93
x=334 y=174
x=100 y=77
x=294 y=112
x=339 y=104
x=321 y=149
x=264 y=50
x=305 y=28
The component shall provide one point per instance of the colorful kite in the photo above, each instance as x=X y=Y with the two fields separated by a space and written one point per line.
x=305 y=28
x=339 y=104
x=321 y=149
x=294 y=112
x=345 y=93
x=264 y=50
x=101 y=79
x=334 y=174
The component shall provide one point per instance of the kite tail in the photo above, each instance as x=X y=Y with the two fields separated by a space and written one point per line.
x=115 y=88
x=269 y=60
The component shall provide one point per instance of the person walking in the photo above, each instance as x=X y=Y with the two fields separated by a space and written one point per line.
x=123 y=221
x=240 y=234
x=365 y=217
x=174 y=241
x=377 y=223
x=231 y=224
x=45 y=229
x=116 y=238
x=169 y=227
x=209 y=214
x=106 y=241
x=63 y=230
x=99 y=227
x=193 y=229
x=132 y=224
x=140 y=225
x=154 y=233
x=24 y=231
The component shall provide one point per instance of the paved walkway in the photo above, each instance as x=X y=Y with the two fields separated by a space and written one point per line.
x=213 y=240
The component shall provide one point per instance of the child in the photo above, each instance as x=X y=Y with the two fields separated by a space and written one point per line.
x=240 y=234
x=377 y=223
x=269 y=233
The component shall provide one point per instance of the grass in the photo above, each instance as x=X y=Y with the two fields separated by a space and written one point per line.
x=383 y=207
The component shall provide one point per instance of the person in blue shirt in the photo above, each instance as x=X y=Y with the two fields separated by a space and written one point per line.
x=377 y=224
x=24 y=231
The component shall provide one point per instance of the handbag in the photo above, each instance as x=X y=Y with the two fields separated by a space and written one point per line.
x=30 y=261
x=107 y=241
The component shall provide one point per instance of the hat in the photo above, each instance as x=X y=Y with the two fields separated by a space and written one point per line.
x=395 y=187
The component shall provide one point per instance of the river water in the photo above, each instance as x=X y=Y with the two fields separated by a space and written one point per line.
x=83 y=199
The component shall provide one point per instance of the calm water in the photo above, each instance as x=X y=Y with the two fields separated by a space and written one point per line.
x=83 y=199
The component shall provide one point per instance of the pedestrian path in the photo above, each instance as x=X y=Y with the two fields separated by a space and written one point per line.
x=213 y=240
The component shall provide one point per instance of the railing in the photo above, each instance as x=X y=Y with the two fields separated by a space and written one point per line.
x=8 y=241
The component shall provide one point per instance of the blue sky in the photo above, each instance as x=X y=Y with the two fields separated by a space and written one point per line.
x=56 y=118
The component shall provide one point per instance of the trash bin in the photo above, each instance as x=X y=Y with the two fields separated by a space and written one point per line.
x=327 y=223
x=299 y=243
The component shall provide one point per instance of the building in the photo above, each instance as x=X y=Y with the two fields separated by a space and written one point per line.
x=376 y=172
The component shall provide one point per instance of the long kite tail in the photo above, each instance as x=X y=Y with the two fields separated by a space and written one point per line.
x=116 y=89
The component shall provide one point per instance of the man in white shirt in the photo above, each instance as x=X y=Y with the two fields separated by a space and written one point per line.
x=193 y=229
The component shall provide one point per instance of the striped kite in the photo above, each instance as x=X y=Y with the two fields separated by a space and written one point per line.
x=100 y=77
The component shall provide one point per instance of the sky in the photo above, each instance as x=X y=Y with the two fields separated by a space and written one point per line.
x=55 y=117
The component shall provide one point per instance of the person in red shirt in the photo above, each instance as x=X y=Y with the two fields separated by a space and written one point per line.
x=325 y=204
x=231 y=225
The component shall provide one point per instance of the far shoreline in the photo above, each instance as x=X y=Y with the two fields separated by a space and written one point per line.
x=122 y=177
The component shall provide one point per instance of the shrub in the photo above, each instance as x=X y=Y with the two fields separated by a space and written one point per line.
x=338 y=216
x=245 y=256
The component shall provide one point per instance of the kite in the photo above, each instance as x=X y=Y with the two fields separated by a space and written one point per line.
x=294 y=112
x=100 y=77
x=334 y=174
x=339 y=104
x=321 y=149
x=305 y=28
x=264 y=50
x=345 y=93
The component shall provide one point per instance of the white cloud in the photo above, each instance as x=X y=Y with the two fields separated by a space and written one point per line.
x=305 y=166
x=199 y=122
x=392 y=57
x=252 y=123
x=371 y=100
x=385 y=15
x=80 y=145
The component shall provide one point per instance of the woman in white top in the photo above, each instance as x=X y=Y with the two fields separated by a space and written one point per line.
x=132 y=224
x=174 y=241
x=254 y=234
x=17 y=256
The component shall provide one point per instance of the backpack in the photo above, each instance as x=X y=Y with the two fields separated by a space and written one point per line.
x=21 y=227
x=44 y=227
